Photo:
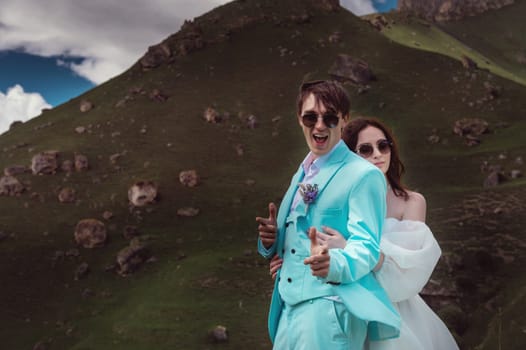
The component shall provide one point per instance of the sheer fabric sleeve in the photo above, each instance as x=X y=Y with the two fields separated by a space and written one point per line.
x=411 y=254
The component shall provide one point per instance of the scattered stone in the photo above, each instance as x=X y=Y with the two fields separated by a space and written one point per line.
x=515 y=174
x=114 y=158
x=107 y=215
x=90 y=233
x=240 y=150
x=187 y=211
x=130 y=258
x=72 y=253
x=252 y=121
x=66 y=195
x=467 y=62
x=250 y=182
x=433 y=139
x=211 y=116
x=189 y=178
x=142 y=193
x=219 y=334
x=494 y=178
x=351 y=69
x=86 y=106
x=14 y=170
x=45 y=163
x=10 y=186
x=81 y=271
x=470 y=129
x=519 y=161
x=155 y=56
x=80 y=129
x=156 y=95
x=81 y=162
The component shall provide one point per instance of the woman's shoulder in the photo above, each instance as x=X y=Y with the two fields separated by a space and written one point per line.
x=415 y=207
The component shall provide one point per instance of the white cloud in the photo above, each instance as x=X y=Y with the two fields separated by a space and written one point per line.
x=17 y=104
x=359 y=7
x=111 y=35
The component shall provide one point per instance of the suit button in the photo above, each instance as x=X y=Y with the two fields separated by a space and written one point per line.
x=287 y=224
x=279 y=279
x=293 y=251
x=289 y=280
x=282 y=251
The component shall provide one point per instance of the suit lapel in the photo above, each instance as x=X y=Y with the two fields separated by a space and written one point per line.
x=331 y=167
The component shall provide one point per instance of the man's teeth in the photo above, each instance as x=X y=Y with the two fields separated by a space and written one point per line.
x=319 y=138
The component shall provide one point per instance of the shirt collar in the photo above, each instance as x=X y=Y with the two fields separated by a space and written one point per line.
x=317 y=163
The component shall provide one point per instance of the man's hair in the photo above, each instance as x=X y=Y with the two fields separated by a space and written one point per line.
x=331 y=93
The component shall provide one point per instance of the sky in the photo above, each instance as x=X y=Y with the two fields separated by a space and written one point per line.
x=54 y=50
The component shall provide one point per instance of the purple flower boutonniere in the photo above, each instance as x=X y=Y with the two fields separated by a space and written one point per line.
x=308 y=192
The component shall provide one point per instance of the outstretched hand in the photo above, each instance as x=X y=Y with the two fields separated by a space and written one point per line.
x=268 y=226
x=319 y=259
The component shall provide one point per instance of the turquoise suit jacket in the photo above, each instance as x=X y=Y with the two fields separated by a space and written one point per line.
x=351 y=199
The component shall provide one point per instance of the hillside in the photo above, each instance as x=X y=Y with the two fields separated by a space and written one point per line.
x=245 y=60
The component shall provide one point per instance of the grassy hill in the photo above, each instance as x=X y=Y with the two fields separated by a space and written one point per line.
x=206 y=271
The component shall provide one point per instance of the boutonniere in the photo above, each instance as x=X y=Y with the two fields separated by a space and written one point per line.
x=309 y=192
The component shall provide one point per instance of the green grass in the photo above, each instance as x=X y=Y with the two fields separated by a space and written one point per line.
x=207 y=270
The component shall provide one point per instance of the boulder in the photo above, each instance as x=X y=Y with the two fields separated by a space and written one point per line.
x=347 y=68
x=67 y=166
x=187 y=211
x=130 y=258
x=142 y=193
x=90 y=233
x=189 y=178
x=470 y=126
x=13 y=170
x=219 y=334
x=211 y=115
x=66 y=195
x=81 y=162
x=10 y=186
x=86 y=106
x=45 y=163
x=155 y=56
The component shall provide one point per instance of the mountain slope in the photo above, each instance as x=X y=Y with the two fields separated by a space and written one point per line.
x=245 y=58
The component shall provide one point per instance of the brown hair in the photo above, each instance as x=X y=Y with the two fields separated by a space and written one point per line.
x=396 y=167
x=331 y=93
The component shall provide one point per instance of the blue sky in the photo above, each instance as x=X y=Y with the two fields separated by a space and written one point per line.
x=54 y=50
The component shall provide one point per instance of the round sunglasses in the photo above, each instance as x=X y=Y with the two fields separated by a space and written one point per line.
x=366 y=149
x=330 y=120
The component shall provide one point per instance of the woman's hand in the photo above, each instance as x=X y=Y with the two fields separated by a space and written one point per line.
x=275 y=265
x=331 y=237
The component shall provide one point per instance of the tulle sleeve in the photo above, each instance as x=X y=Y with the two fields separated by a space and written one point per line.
x=411 y=253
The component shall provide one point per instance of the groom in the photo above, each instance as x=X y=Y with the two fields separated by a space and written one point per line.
x=327 y=299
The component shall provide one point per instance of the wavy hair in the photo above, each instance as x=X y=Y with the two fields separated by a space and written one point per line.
x=396 y=168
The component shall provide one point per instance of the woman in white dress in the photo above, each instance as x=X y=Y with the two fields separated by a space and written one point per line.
x=409 y=250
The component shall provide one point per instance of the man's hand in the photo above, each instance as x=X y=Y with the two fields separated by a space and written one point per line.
x=319 y=259
x=268 y=227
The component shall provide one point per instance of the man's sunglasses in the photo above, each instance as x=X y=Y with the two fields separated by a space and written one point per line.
x=366 y=149
x=330 y=120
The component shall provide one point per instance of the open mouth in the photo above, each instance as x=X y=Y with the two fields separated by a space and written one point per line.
x=320 y=139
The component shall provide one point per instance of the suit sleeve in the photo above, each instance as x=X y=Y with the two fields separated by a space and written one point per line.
x=367 y=210
x=267 y=253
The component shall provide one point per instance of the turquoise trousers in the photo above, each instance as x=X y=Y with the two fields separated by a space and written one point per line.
x=319 y=324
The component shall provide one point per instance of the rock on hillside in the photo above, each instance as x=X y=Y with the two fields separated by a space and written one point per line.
x=449 y=10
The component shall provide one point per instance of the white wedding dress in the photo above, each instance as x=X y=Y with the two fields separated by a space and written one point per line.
x=411 y=253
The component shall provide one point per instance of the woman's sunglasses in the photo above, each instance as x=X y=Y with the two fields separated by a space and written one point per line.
x=366 y=149
x=330 y=120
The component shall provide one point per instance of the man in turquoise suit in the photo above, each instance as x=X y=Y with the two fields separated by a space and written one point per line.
x=328 y=299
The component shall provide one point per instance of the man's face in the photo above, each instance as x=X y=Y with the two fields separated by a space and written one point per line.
x=320 y=138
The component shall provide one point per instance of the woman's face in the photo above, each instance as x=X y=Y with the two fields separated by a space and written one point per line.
x=374 y=147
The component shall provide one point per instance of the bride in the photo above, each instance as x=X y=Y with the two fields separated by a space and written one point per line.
x=409 y=250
